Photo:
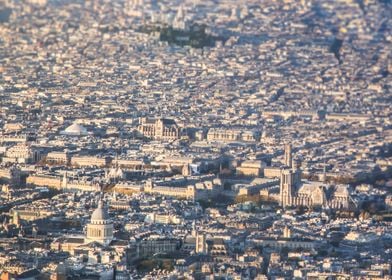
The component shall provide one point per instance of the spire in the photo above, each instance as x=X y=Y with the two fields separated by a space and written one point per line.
x=16 y=219
x=100 y=204
x=323 y=176
x=65 y=181
x=286 y=232
x=117 y=166
x=194 y=230
x=100 y=200
x=288 y=158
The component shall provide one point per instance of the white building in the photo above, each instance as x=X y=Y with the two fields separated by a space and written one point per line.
x=75 y=130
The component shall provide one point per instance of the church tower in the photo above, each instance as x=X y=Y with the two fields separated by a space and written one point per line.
x=186 y=170
x=201 y=244
x=286 y=232
x=288 y=157
x=287 y=187
x=16 y=219
x=64 y=182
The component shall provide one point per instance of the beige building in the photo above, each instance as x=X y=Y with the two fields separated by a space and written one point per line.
x=129 y=163
x=29 y=214
x=251 y=168
x=173 y=161
x=198 y=191
x=289 y=114
x=10 y=175
x=43 y=180
x=13 y=127
x=58 y=157
x=67 y=244
x=201 y=243
x=57 y=182
x=22 y=153
x=232 y=135
x=79 y=185
x=90 y=161
x=13 y=138
x=272 y=172
x=188 y=192
x=257 y=186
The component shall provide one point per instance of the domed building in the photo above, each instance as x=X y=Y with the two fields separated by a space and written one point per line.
x=100 y=228
x=75 y=130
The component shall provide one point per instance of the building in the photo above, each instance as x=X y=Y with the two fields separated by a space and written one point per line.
x=22 y=153
x=288 y=114
x=232 y=135
x=29 y=214
x=272 y=172
x=197 y=189
x=201 y=243
x=44 y=180
x=90 y=161
x=13 y=138
x=164 y=219
x=10 y=175
x=257 y=185
x=80 y=185
x=276 y=171
x=160 y=129
x=188 y=192
x=293 y=192
x=251 y=168
x=153 y=246
x=290 y=243
x=100 y=229
x=287 y=187
x=58 y=157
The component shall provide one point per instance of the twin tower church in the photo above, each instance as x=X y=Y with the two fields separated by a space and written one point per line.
x=294 y=191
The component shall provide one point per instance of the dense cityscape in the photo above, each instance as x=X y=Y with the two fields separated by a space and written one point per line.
x=195 y=139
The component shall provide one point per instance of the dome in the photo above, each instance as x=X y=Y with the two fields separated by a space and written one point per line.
x=100 y=216
x=75 y=129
